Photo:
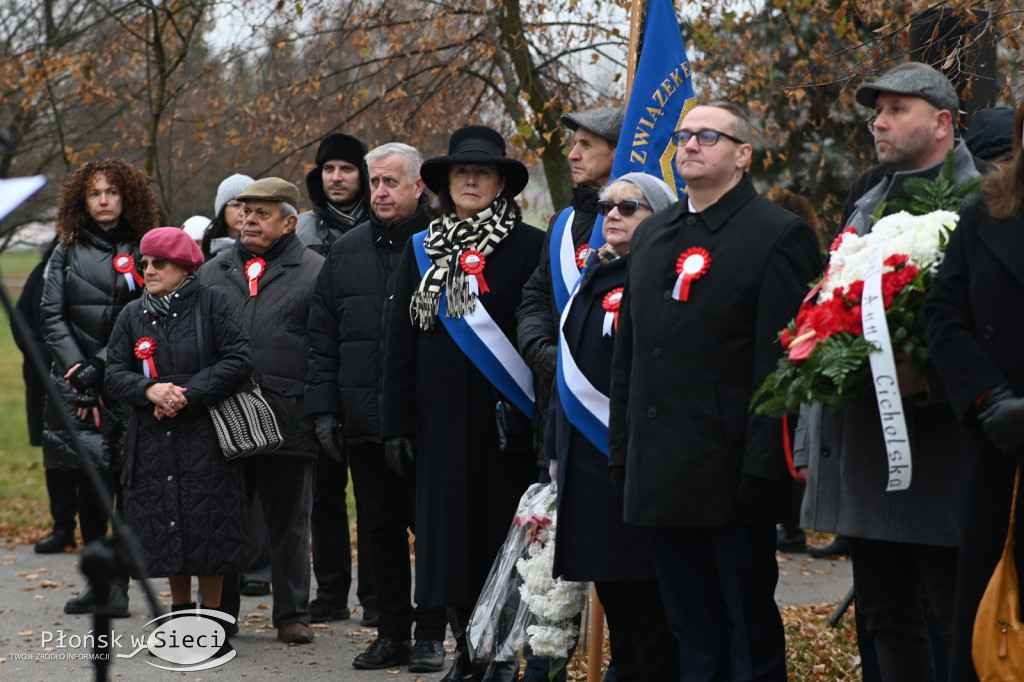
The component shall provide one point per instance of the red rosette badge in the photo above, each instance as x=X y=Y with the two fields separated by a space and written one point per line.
x=254 y=269
x=125 y=264
x=581 y=256
x=473 y=263
x=612 y=301
x=691 y=265
x=144 y=349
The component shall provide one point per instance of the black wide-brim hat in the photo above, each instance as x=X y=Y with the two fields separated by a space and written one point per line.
x=477 y=145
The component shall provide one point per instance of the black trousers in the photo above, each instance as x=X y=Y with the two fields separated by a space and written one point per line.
x=386 y=502
x=718 y=588
x=70 y=493
x=642 y=645
x=889 y=578
x=332 y=552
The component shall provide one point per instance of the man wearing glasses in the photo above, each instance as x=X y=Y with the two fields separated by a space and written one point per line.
x=902 y=542
x=710 y=282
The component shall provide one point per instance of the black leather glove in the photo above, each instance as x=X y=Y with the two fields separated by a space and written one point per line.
x=618 y=476
x=541 y=357
x=328 y=432
x=86 y=398
x=759 y=500
x=400 y=454
x=1002 y=418
x=88 y=375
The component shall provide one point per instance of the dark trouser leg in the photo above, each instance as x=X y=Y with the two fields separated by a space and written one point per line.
x=258 y=569
x=332 y=555
x=92 y=514
x=642 y=645
x=285 y=486
x=889 y=577
x=384 y=514
x=718 y=588
x=62 y=488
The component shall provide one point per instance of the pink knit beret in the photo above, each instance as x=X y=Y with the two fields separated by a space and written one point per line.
x=173 y=244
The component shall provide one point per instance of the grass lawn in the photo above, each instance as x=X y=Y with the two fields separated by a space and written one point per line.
x=23 y=501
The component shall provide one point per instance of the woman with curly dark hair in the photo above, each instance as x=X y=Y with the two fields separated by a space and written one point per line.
x=105 y=208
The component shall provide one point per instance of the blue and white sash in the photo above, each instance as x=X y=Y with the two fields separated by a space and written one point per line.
x=483 y=342
x=585 y=406
x=564 y=271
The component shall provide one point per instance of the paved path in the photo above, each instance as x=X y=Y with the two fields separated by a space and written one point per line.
x=34 y=588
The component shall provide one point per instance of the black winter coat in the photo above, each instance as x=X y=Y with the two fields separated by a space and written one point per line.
x=185 y=503
x=346 y=319
x=684 y=372
x=537 y=316
x=593 y=542
x=82 y=298
x=467 y=491
x=975 y=318
x=277 y=319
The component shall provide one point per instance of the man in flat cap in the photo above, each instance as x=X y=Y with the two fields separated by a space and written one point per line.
x=905 y=541
x=338 y=187
x=270 y=276
x=595 y=134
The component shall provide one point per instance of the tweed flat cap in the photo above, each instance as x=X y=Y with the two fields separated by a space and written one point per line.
x=912 y=78
x=271 y=189
x=604 y=122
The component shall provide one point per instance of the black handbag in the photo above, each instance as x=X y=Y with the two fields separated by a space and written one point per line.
x=244 y=422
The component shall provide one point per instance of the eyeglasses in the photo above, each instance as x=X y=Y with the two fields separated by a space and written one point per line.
x=627 y=207
x=235 y=204
x=705 y=138
x=158 y=263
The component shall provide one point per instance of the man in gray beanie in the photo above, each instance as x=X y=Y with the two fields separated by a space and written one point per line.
x=902 y=543
x=338 y=188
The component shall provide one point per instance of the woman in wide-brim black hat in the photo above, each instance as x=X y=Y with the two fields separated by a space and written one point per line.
x=438 y=406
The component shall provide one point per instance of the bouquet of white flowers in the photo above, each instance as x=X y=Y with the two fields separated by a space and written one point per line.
x=521 y=602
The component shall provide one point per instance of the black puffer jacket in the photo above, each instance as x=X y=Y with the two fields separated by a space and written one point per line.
x=183 y=501
x=277 y=319
x=346 y=321
x=82 y=297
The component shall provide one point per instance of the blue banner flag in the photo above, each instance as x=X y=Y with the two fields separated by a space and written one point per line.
x=661 y=95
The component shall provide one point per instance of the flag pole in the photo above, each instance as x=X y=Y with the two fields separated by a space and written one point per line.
x=595 y=655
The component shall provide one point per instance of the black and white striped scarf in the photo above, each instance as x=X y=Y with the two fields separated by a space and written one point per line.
x=447 y=239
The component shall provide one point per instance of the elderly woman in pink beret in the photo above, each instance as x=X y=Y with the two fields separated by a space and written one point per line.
x=184 y=502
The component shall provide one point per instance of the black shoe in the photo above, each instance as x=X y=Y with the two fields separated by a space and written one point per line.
x=383 y=652
x=427 y=656
x=55 y=543
x=324 y=611
x=839 y=546
x=790 y=540
x=85 y=602
x=255 y=588
x=117 y=602
x=371 y=618
x=230 y=629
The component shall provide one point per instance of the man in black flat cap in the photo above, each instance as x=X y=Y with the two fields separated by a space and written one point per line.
x=338 y=188
x=902 y=542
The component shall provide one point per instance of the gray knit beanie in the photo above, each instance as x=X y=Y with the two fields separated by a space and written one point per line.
x=659 y=195
x=230 y=188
